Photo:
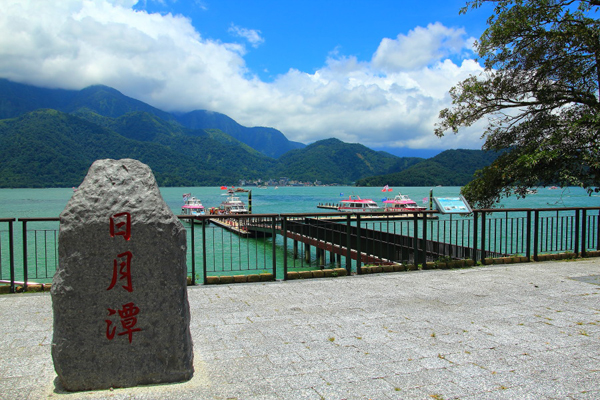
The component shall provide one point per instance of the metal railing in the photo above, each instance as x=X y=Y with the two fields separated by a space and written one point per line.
x=7 y=256
x=271 y=245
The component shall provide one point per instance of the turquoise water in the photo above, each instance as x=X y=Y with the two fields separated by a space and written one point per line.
x=21 y=203
x=227 y=253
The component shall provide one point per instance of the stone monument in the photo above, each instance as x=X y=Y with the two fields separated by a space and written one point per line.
x=119 y=295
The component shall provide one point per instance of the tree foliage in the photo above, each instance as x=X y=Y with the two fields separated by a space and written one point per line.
x=539 y=93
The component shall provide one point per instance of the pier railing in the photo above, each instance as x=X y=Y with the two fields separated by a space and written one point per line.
x=258 y=247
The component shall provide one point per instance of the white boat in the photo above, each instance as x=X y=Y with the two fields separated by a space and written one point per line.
x=192 y=205
x=233 y=205
x=356 y=204
x=402 y=203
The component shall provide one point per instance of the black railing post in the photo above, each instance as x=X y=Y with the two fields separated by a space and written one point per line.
x=528 y=236
x=415 y=239
x=424 y=237
x=483 y=236
x=25 y=267
x=193 y=240
x=284 y=234
x=11 y=252
x=475 y=233
x=583 y=232
x=576 y=245
x=536 y=225
x=598 y=231
x=348 y=244
x=274 y=255
x=204 y=268
x=358 y=249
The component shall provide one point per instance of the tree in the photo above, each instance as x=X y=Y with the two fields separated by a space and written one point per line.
x=539 y=93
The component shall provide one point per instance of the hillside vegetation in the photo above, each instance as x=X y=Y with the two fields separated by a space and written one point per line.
x=449 y=168
x=50 y=137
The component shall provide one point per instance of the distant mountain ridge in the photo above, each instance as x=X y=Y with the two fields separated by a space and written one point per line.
x=270 y=141
x=449 y=168
x=49 y=148
x=328 y=158
x=50 y=137
x=17 y=99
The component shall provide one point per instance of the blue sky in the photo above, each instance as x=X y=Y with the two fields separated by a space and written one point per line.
x=301 y=34
x=369 y=72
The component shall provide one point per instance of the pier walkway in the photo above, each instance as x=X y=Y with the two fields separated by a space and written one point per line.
x=337 y=236
x=515 y=331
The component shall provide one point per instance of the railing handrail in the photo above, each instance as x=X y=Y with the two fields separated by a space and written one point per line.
x=329 y=214
x=532 y=234
x=490 y=210
x=39 y=219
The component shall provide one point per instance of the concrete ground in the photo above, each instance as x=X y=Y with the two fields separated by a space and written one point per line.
x=519 y=331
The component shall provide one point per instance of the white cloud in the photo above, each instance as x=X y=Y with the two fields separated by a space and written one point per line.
x=391 y=100
x=421 y=47
x=251 y=35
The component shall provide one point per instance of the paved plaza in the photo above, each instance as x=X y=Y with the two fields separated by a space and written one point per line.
x=518 y=331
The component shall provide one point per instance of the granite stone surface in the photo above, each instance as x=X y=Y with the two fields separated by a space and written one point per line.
x=119 y=297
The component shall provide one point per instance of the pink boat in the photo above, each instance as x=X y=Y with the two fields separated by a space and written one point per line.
x=192 y=205
x=356 y=204
x=402 y=203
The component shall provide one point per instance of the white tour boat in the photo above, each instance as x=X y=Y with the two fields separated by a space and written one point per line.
x=402 y=203
x=356 y=204
x=233 y=205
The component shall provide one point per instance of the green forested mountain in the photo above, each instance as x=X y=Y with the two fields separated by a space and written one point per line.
x=50 y=137
x=48 y=148
x=327 y=160
x=17 y=99
x=449 y=168
x=269 y=141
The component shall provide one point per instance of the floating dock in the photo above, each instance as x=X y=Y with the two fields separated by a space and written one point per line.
x=328 y=206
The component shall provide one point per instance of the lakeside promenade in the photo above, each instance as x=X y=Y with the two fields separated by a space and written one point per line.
x=517 y=331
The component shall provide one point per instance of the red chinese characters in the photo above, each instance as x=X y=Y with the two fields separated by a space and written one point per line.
x=128 y=321
x=122 y=270
x=120 y=225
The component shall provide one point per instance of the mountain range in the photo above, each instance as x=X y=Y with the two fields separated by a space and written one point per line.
x=50 y=137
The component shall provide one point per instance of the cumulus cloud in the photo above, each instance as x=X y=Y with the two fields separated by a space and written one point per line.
x=421 y=47
x=391 y=100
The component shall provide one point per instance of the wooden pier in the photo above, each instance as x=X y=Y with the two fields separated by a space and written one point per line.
x=232 y=225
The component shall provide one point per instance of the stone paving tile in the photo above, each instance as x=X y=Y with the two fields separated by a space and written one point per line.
x=499 y=332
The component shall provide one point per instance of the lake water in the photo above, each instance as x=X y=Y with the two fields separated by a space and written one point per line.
x=38 y=203
x=33 y=203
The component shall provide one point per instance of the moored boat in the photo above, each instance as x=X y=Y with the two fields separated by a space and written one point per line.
x=233 y=205
x=355 y=204
x=402 y=203
x=191 y=205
